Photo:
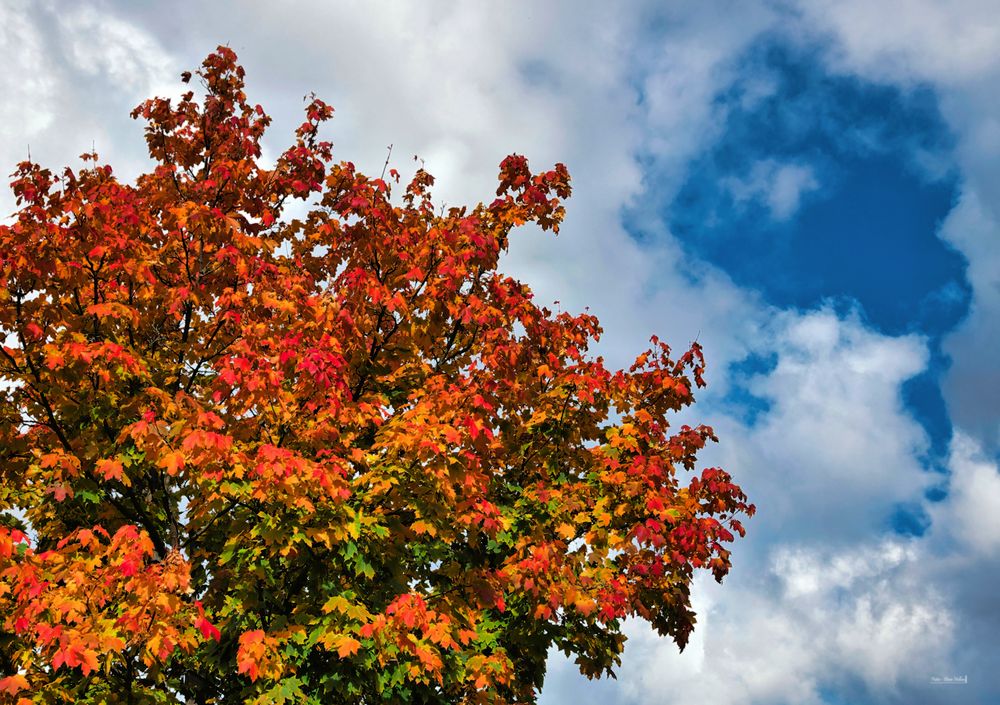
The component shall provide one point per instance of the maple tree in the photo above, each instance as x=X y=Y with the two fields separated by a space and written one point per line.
x=340 y=458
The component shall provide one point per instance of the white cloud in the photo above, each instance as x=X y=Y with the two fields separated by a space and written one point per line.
x=836 y=450
x=815 y=600
x=683 y=69
x=101 y=44
x=765 y=639
x=802 y=576
x=26 y=83
x=903 y=40
x=873 y=619
x=972 y=512
x=789 y=183
x=780 y=187
x=71 y=79
x=972 y=384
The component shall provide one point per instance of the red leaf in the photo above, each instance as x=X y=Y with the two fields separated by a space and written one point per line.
x=207 y=629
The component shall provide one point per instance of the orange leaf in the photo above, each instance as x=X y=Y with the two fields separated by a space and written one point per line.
x=347 y=646
x=172 y=462
x=250 y=651
x=110 y=469
x=13 y=684
x=422 y=527
x=88 y=661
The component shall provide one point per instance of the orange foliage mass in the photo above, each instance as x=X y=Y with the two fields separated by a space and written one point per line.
x=337 y=457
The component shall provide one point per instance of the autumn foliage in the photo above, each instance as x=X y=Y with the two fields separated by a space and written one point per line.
x=333 y=459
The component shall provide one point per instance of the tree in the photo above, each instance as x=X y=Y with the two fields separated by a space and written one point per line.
x=331 y=459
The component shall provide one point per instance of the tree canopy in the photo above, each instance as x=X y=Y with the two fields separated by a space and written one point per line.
x=249 y=458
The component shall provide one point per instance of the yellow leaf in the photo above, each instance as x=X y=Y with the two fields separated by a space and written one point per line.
x=585 y=605
x=336 y=603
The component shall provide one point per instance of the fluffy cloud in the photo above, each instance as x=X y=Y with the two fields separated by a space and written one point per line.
x=780 y=187
x=973 y=382
x=687 y=57
x=70 y=81
x=971 y=515
x=910 y=40
x=101 y=45
x=837 y=449
x=963 y=561
x=808 y=621
x=814 y=602
x=27 y=83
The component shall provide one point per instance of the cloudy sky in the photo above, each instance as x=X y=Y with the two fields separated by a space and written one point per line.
x=811 y=188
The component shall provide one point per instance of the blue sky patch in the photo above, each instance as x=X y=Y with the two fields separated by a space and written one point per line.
x=814 y=192
x=922 y=396
x=909 y=520
x=740 y=401
x=827 y=188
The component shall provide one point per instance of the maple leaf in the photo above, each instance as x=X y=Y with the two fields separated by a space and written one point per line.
x=110 y=469
x=88 y=661
x=172 y=462
x=207 y=629
x=12 y=685
x=251 y=650
x=347 y=646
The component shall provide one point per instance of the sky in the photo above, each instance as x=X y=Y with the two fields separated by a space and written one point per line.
x=809 y=188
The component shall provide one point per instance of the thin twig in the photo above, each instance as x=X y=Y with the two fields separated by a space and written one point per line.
x=386 y=165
